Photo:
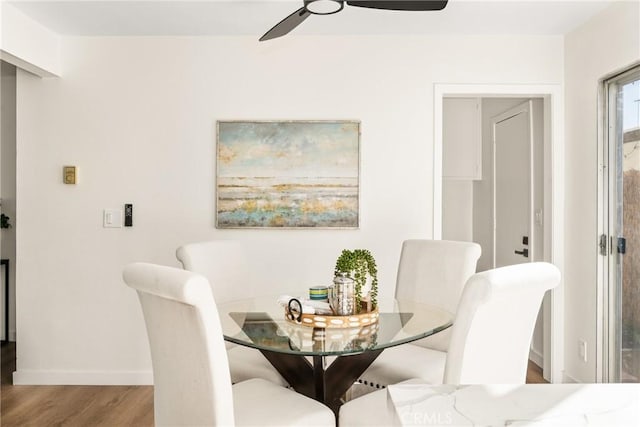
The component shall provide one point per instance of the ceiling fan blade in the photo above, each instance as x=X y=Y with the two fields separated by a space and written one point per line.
x=400 y=4
x=286 y=25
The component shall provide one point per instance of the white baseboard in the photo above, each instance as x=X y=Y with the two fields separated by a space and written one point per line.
x=566 y=378
x=38 y=377
x=536 y=357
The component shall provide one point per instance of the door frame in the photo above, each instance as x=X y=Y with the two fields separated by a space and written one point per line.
x=606 y=226
x=554 y=153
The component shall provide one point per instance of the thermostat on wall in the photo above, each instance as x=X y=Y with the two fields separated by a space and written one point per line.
x=69 y=174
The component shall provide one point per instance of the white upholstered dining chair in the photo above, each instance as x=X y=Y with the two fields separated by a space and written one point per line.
x=490 y=337
x=430 y=272
x=190 y=370
x=224 y=264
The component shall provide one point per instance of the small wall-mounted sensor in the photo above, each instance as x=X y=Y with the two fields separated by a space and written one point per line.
x=69 y=174
x=128 y=215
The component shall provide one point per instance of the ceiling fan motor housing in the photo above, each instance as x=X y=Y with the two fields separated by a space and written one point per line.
x=323 y=7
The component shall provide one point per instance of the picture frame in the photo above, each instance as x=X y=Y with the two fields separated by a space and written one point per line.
x=298 y=174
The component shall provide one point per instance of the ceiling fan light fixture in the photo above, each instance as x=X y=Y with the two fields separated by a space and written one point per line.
x=323 y=7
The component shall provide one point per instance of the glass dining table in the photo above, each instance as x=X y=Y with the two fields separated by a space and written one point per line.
x=323 y=363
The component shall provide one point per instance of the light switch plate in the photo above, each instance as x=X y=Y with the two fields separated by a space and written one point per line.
x=112 y=218
x=582 y=350
x=538 y=217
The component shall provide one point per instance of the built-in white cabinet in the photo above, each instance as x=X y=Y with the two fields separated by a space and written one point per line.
x=462 y=138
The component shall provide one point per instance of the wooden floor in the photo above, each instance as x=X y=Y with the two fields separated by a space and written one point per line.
x=534 y=374
x=88 y=406
x=82 y=406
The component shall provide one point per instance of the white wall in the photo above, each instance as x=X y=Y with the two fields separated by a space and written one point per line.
x=609 y=42
x=457 y=210
x=137 y=117
x=27 y=44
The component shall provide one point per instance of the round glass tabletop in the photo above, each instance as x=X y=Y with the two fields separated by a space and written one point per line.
x=261 y=323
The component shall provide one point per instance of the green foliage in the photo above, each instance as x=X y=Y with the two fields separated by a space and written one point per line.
x=359 y=263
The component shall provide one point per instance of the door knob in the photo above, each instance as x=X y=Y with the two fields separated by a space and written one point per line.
x=524 y=253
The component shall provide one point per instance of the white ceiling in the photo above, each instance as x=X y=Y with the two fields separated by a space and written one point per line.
x=240 y=17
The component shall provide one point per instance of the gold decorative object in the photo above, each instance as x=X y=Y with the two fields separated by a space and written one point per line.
x=69 y=174
x=337 y=322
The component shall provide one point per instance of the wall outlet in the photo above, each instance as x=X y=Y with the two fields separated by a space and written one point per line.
x=582 y=350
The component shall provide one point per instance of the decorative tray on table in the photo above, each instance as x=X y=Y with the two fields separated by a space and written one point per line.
x=329 y=321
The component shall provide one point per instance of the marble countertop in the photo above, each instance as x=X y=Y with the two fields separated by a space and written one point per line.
x=565 y=405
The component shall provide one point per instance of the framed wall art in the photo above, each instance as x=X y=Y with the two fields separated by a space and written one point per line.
x=287 y=174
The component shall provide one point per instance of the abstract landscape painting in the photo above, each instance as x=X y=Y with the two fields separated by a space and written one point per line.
x=288 y=174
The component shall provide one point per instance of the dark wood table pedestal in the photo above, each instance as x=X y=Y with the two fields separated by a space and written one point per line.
x=313 y=380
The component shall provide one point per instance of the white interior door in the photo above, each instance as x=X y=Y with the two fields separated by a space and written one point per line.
x=512 y=139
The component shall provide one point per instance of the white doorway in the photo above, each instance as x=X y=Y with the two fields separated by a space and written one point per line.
x=552 y=182
x=495 y=208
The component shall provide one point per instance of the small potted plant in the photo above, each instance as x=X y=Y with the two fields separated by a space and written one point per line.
x=360 y=265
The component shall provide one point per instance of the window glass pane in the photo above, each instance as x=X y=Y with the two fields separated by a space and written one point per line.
x=631 y=105
x=629 y=304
